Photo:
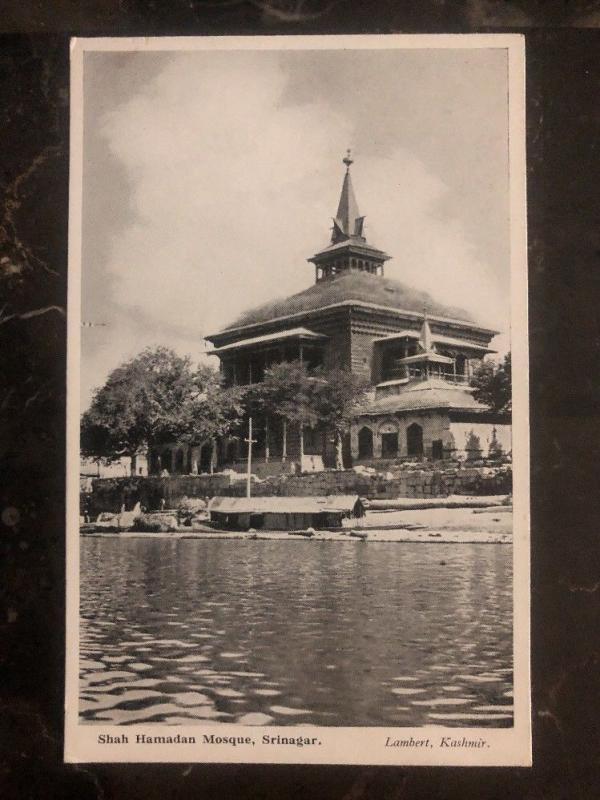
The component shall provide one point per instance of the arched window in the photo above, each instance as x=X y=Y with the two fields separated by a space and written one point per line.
x=414 y=440
x=365 y=443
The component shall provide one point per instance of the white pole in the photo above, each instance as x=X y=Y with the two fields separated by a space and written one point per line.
x=284 y=443
x=249 y=473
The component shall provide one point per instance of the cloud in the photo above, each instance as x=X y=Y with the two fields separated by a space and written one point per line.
x=224 y=179
x=232 y=185
x=406 y=204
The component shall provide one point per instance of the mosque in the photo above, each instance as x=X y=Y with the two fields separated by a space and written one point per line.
x=417 y=354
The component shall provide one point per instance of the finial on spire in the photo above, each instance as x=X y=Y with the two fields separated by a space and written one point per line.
x=348 y=160
x=425 y=338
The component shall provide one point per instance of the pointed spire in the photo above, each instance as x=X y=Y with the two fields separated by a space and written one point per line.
x=347 y=220
x=425 y=338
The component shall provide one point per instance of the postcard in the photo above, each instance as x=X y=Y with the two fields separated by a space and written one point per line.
x=298 y=459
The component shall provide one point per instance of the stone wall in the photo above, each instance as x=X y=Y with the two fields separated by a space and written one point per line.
x=406 y=481
x=111 y=494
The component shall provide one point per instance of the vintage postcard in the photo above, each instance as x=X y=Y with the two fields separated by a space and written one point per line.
x=298 y=460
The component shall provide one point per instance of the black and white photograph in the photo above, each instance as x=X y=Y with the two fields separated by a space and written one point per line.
x=298 y=488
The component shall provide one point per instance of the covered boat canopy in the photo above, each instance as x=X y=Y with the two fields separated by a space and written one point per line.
x=284 y=513
x=346 y=503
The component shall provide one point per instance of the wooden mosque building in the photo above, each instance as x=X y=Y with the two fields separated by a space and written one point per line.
x=417 y=354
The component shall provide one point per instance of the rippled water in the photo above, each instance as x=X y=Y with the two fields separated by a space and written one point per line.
x=295 y=632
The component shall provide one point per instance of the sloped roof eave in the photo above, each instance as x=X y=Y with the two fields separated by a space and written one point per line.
x=293 y=333
x=375 y=411
x=346 y=304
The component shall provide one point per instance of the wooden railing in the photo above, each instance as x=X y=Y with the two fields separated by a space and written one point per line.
x=413 y=375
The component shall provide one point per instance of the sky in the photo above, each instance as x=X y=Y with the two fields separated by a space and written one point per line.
x=209 y=177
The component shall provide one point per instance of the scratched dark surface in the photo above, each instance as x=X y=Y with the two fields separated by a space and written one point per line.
x=563 y=63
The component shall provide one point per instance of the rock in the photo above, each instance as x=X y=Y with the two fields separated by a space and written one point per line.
x=155 y=523
x=191 y=505
x=127 y=519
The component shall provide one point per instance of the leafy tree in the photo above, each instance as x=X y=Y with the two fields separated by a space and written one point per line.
x=321 y=398
x=336 y=394
x=142 y=403
x=286 y=393
x=493 y=384
x=210 y=411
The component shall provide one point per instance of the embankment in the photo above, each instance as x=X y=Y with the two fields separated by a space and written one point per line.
x=422 y=482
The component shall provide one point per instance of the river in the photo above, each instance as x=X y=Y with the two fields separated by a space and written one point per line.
x=295 y=632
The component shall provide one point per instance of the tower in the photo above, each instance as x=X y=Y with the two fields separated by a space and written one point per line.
x=349 y=250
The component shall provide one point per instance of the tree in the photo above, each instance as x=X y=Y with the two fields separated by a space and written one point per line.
x=493 y=383
x=321 y=398
x=473 y=446
x=495 y=451
x=142 y=403
x=285 y=392
x=210 y=411
x=335 y=396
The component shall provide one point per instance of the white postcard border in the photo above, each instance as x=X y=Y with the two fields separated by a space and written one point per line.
x=342 y=745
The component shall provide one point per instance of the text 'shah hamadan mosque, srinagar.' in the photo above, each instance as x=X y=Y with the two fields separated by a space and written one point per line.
x=418 y=355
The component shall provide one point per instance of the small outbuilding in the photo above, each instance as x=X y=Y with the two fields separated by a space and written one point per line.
x=284 y=513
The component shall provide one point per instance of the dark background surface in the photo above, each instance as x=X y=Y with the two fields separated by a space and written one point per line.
x=563 y=80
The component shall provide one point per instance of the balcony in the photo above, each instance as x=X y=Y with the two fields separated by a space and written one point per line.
x=414 y=374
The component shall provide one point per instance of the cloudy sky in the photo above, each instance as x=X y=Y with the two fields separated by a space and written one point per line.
x=210 y=177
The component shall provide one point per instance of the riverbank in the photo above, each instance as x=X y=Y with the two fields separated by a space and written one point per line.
x=419 y=481
x=429 y=525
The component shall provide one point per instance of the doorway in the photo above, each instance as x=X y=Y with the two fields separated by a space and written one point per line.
x=437 y=450
x=389 y=445
x=414 y=440
x=365 y=443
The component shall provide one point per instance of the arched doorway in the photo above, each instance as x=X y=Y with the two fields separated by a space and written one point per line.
x=389 y=439
x=179 y=460
x=365 y=443
x=205 y=456
x=414 y=440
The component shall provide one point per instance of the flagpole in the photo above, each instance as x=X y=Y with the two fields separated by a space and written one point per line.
x=249 y=472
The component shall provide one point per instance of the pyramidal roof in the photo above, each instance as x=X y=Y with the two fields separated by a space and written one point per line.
x=357 y=286
x=349 y=285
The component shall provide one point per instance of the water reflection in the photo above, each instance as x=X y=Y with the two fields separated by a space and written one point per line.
x=288 y=633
